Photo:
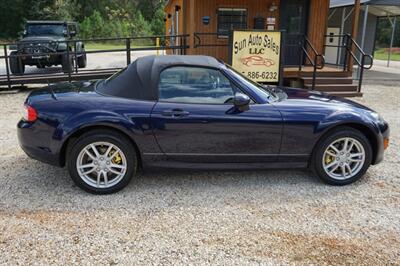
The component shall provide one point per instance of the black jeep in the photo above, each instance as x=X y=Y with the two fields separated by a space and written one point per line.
x=48 y=43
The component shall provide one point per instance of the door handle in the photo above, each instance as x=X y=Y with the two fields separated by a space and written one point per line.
x=175 y=113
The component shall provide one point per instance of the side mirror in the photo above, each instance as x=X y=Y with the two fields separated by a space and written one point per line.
x=241 y=101
x=72 y=33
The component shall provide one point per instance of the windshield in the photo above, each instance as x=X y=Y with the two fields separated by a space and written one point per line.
x=46 y=29
x=263 y=92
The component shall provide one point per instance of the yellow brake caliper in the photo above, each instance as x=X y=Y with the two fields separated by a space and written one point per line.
x=329 y=159
x=117 y=158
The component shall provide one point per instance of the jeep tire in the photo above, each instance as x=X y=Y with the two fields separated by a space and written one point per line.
x=82 y=60
x=67 y=63
x=17 y=67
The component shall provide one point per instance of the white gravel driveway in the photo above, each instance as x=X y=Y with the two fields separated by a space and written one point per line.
x=203 y=217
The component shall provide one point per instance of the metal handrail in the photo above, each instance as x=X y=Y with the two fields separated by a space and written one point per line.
x=348 y=44
x=305 y=43
x=73 y=53
x=198 y=41
x=97 y=39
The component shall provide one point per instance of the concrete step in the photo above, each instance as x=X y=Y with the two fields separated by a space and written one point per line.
x=328 y=80
x=327 y=74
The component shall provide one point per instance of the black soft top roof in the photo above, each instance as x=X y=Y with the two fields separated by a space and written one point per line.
x=140 y=79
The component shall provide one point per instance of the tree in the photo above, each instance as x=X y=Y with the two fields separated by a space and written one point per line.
x=97 y=18
x=384 y=33
x=157 y=23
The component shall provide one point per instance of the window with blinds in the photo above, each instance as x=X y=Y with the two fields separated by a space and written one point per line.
x=231 y=19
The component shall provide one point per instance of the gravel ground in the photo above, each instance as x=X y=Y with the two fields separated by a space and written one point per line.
x=186 y=217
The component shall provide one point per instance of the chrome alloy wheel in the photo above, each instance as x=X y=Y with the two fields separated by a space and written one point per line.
x=101 y=165
x=344 y=158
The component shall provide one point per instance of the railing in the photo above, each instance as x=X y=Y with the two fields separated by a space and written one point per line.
x=317 y=60
x=347 y=43
x=44 y=49
x=202 y=39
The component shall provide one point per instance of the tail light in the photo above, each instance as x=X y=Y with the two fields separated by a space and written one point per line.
x=30 y=113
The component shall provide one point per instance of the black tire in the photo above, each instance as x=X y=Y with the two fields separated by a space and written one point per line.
x=82 y=60
x=317 y=166
x=17 y=67
x=67 y=63
x=109 y=136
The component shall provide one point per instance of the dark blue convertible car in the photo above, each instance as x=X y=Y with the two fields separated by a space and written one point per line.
x=195 y=112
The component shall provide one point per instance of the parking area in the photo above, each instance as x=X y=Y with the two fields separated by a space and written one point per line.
x=200 y=217
x=95 y=61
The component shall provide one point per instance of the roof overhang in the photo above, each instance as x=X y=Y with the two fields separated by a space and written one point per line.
x=379 y=8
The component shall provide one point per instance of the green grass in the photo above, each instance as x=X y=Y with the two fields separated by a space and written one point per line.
x=108 y=46
x=381 y=54
x=103 y=46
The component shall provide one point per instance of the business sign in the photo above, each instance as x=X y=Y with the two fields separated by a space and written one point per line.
x=257 y=54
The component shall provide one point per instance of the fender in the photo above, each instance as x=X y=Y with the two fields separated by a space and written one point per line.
x=80 y=48
x=301 y=135
x=136 y=128
x=345 y=117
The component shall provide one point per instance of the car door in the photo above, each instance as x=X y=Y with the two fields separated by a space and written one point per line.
x=196 y=121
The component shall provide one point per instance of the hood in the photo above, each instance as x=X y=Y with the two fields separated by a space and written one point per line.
x=304 y=98
x=45 y=38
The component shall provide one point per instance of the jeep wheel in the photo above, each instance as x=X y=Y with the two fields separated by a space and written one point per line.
x=67 y=63
x=82 y=60
x=17 y=67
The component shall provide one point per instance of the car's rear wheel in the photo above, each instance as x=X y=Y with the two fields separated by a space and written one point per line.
x=102 y=162
x=342 y=157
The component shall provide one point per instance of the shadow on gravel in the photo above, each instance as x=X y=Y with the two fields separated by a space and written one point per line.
x=35 y=185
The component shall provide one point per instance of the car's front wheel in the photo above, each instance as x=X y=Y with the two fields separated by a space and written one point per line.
x=102 y=162
x=342 y=157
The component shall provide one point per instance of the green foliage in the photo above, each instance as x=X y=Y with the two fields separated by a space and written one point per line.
x=97 y=18
x=158 y=24
x=384 y=33
x=10 y=25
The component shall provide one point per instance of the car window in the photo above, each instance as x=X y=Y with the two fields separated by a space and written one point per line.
x=195 y=85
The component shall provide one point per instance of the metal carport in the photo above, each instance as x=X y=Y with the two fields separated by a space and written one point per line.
x=379 y=8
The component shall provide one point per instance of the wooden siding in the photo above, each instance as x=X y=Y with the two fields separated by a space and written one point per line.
x=209 y=8
x=318 y=18
x=170 y=10
x=194 y=10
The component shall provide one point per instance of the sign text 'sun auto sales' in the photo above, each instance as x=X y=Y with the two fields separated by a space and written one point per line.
x=256 y=54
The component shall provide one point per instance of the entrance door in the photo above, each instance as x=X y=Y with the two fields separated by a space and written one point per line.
x=294 y=14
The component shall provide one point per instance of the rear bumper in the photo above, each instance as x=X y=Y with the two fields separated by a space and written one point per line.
x=31 y=141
